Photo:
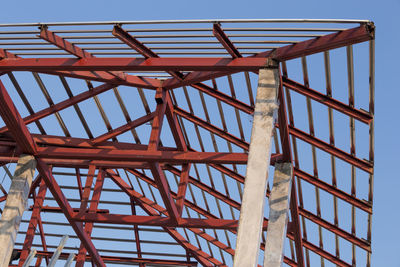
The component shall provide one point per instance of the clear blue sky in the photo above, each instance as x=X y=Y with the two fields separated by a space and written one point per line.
x=384 y=14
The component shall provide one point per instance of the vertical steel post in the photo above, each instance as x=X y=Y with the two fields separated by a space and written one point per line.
x=252 y=209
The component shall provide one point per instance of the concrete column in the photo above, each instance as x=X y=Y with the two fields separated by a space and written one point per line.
x=252 y=209
x=278 y=215
x=15 y=206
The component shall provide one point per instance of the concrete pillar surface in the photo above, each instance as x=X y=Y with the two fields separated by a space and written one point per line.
x=278 y=215
x=252 y=209
x=16 y=204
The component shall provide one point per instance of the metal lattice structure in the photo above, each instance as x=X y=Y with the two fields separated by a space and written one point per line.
x=141 y=132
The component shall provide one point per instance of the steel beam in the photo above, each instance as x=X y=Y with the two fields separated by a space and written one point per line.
x=132 y=64
x=132 y=42
x=54 y=188
x=219 y=33
x=173 y=157
x=362 y=164
x=14 y=122
x=363 y=205
x=360 y=115
x=116 y=260
x=158 y=221
x=39 y=199
x=124 y=128
x=92 y=209
x=343 y=38
x=252 y=209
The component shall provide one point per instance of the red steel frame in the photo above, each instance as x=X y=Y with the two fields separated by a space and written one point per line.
x=99 y=154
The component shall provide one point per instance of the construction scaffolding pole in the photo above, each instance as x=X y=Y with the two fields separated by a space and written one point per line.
x=16 y=203
x=252 y=209
x=278 y=215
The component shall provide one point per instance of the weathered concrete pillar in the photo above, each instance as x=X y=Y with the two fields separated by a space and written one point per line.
x=15 y=206
x=278 y=215
x=252 y=209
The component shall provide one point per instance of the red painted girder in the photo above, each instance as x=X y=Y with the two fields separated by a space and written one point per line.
x=64 y=104
x=92 y=209
x=158 y=120
x=336 y=230
x=305 y=48
x=58 y=195
x=130 y=80
x=155 y=168
x=124 y=128
x=14 y=122
x=30 y=233
x=50 y=140
x=116 y=260
x=204 y=124
x=182 y=187
x=224 y=40
x=136 y=230
x=158 y=221
x=173 y=157
x=362 y=164
x=365 y=206
x=328 y=101
x=132 y=64
x=223 y=97
x=163 y=188
x=58 y=209
x=317 y=250
x=343 y=38
x=173 y=122
x=74 y=50
x=132 y=42
x=196 y=77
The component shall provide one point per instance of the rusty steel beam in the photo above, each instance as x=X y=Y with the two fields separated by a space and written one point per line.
x=219 y=33
x=130 y=80
x=30 y=233
x=363 y=205
x=158 y=221
x=135 y=44
x=362 y=164
x=64 y=104
x=173 y=157
x=360 y=115
x=92 y=209
x=223 y=97
x=336 y=230
x=204 y=124
x=132 y=64
x=124 y=128
x=14 y=122
x=61 y=43
x=60 y=198
x=115 y=259
x=54 y=209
